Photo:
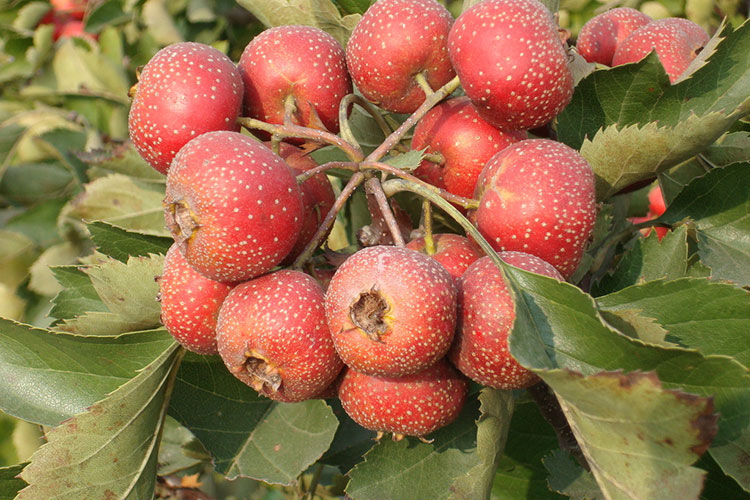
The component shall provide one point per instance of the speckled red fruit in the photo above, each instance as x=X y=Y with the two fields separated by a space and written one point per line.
x=232 y=205
x=676 y=42
x=395 y=40
x=537 y=196
x=455 y=130
x=190 y=304
x=185 y=90
x=272 y=335
x=391 y=311
x=299 y=61
x=317 y=196
x=455 y=253
x=511 y=62
x=486 y=316
x=600 y=36
x=413 y=405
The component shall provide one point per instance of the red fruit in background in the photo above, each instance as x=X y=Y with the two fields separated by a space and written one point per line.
x=600 y=36
x=455 y=253
x=395 y=40
x=413 y=405
x=676 y=42
x=317 y=196
x=72 y=8
x=232 y=205
x=185 y=90
x=537 y=196
x=455 y=130
x=656 y=205
x=272 y=335
x=391 y=311
x=190 y=303
x=486 y=316
x=299 y=61
x=511 y=62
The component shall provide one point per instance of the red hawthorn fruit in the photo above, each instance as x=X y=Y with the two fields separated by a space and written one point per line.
x=486 y=316
x=72 y=8
x=455 y=253
x=232 y=205
x=511 y=62
x=676 y=42
x=455 y=130
x=537 y=196
x=601 y=35
x=272 y=335
x=395 y=40
x=412 y=405
x=185 y=90
x=303 y=62
x=656 y=203
x=391 y=311
x=317 y=196
x=190 y=303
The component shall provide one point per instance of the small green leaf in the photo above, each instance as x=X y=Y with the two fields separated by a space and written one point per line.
x=50 y=376
x=122 y=244
x=634 y=324
x=38 y=222
x=78 y=295
x=122 y=201
x=408 y=161
x=10 y=484
x=128 y=290
x=321 y=14
x=17 y=253
x=649 y=260
x=718 y=204
x=111 y=449
x=350 y=443
x=120 y=159
x=173 y=455
x=247 y=435
x=570 y=479
x=354 y=6
x=105 y=14
x=80 y=68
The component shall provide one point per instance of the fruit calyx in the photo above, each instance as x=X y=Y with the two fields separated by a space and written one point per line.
x=182 y=222
x=368 y=313
x=266 y=378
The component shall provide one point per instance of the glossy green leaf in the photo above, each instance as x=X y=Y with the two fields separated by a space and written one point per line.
x=718 y=204
x=121 y=244
x=118 y=457
x=52 y=376
x=247 y=435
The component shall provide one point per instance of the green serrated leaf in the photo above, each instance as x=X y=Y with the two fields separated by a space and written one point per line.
x=569 y=478
x=105 y=14
x=713 y=318
x=172 y=450
x=10 y=484
x=649 y=260
x=129 y=292
x=638 y=438
x=662 y=124
x=122 y=244
x=634 y=324
x=321 y=14
x=121 y=201
x=78 y=295
x=408 y=161
x=350 y=443
x=52 y=376
x=718 y=204
x=30 y=183
x=557 y=327
x=118 y=457
x=247 y=435
x=42 y=279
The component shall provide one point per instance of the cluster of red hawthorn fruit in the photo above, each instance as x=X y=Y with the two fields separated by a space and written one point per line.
x=398 y=328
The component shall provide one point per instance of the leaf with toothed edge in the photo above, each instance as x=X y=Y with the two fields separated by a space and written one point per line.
x=569 y=478
x=123 y=244
x=10 y=484
x=248 y=435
